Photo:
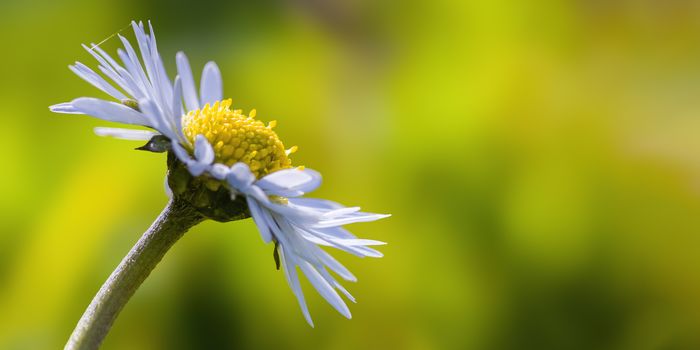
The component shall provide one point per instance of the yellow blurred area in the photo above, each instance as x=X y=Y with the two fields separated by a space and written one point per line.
x=540 y=159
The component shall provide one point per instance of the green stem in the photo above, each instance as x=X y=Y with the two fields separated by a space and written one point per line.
x=177 y=217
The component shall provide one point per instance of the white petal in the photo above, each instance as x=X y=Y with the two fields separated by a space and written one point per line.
x=324 y=288
x=133 y=65
x=125 y=134
x=219 y=171
x=194 y=166
x=339 y=232
x=357 y=250
x=116 y=72
x=368 y=252
x=316 y=203
x=185 y=73
x=335 y=284
x=327 y=235
x=240 y=177
x=358 y=217
x=340 y=212
x=151 y=110
x=290 y=271
x=162 y=88
x=334 y=265
x=211 y=89
x=259 y=216
x=109 y=111
x=65 y=107
x=142 y=42
x=108 y=70
x=177 y=106
x=137 y=90
x=258 y=194
x=203 y=151
x=290 y=182
x=197 y=168
x=158 y=62
x=162 y=76
x=121 y=82
x=96 y=80
x=181 y=153
x=103 y=54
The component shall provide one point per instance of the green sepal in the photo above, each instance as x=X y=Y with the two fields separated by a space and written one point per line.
x=213 y=202
x=276 y=255
x=157 y=144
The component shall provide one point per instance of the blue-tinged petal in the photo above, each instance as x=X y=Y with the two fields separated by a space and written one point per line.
x=305 y=215
x=339 y=232
x=290 y=271
x=211 y=88
x=316 y=203
x=177 y=107
x=193 y=166
x=261 y=221
x=337 y=285
x=133 y=65
x=133 y=71
x=336 y=266
x=290 y=239
x=118 y=79
x=188 y=90
x=142 y=42
x=65 y=107
x=219 y=171
x=359 y=251
x=197 y=168
x=340 y=212
x=127 y=82
x=203 y=151
x=324 y=288
x=258 y=194
x=357 y=217
x=240 y=177
x=137 y=91
x=104 y=54
x=163 y=79
x=290 y=181
x=181 y=153
x=138 y=72
x=107 y=69
x=162 y=89
x=314 y=238
x=152 y=111
x=125 y=134
x=96 y=80
x=327 y=236
x=323 y=239
x=369 y=252
x=127 y=79
x=110 y=111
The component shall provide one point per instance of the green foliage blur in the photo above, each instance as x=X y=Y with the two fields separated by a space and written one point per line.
x=541 y=160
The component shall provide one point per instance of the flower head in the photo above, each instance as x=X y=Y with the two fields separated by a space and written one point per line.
x=226 y=164
x=236 y=137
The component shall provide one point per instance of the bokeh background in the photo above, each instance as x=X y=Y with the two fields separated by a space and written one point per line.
x=541 y=160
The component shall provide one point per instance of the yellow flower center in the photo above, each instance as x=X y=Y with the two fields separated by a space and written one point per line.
x=236 y=137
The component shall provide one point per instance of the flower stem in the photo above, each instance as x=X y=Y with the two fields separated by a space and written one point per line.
x=177 y=217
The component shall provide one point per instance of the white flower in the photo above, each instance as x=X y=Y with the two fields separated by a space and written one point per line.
x=248 y=158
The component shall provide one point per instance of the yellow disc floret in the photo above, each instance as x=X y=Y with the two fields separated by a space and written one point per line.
x=236 y=137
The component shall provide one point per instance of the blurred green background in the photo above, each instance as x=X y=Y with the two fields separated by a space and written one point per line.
x=541 y=160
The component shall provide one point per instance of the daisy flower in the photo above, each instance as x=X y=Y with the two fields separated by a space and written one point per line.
x=220 y=157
